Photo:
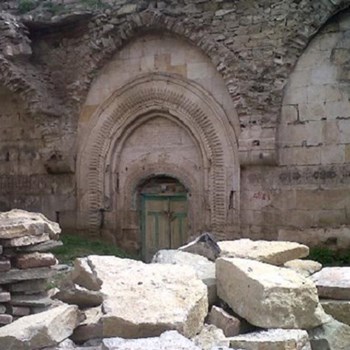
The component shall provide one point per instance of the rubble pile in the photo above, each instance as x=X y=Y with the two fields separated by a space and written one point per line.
x=25 y=265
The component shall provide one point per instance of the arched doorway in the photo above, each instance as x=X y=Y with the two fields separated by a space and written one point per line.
x=163 y=215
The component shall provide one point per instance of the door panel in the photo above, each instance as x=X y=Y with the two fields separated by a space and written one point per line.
x=163 y=223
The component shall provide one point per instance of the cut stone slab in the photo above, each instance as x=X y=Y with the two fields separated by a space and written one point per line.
x=41 y=247
x=16 y=275
x=205 y=245
x=20 y=223
x=304 y=267
x=32 y=286
x=33 y=300
x=333 y=282
x=41 y=330
x=209 y=337
x=4 y=297
x=271 y=252
x=36 y=259
x=204 y=268
x=5 y=265
x=5 y=319
x=170 y=340
x=338 y=309
x=332 y=335
x=255 y=291
x=163 y=297
x=273 y=339
x=230 y=325
x=26 y=240
x=19 y=310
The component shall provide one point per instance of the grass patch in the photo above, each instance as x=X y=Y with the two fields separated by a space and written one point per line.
x=328 y=257
x=77 y=247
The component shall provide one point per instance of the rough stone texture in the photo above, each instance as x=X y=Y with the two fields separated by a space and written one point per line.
x=15 y=275
x=4 y=297
x=304 y=267
x=209 y=337
x=230 y=325
x=41 y=330
x=333 y=335
x=338 y=309
x=273 y=339
x=5 y=319
x=204 y=268
x=167 y=341
x=255 y=291
x=5 y=265
x=181 y=303
x=333 y=282
x=275 y=252
x=204 y=245
x=35 y=260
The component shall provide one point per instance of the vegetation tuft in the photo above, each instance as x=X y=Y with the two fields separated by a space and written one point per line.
x=77 y=247
x=25 y=6
x=328 y=257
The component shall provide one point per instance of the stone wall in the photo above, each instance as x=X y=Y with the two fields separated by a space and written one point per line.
x=276 y=69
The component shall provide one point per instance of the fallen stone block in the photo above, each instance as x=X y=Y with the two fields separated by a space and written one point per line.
x=209 y=337
x=41 y=330
x=338 y=309
x=333 y=282
x=273 y=339
x=229 y=324
x=268 y=296
x=204 y=268
x=205 y=245
x=304 y=267
x=20 y=223
x=271 y=252
x=332 y=335
x=16 y=275
x=33 y=260
x=163 y=297
x=170 y=340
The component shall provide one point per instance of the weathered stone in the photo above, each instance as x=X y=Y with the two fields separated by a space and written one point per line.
x=41 y=330
x=332 y=335
x=333 y=282
x=230 y=325
x=15 y=275
x=32 y=260
x=2 y=309
x=26 y=240
x=41 y=247
x=274 y=252
x=5 y=319
x=209 y=337
x=272 y=339
x=4 y=297
x=18 y=310
x=255 y=291
x=34 y=300
x=338 y=309
x=181 y=298
x=84 y=275
x=5 y=265
x=204 y=268
x=304 y=267
x=20 y=223
x=74 y=294
x=169 y=340
x=32 y=286
x=91 y=327
x=204 y=245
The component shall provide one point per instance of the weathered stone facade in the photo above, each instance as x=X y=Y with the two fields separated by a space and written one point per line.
x=245 y=103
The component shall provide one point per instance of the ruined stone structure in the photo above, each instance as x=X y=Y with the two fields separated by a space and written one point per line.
x=145 y=122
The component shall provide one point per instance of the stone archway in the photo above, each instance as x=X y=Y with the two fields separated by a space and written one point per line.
x=211 y=171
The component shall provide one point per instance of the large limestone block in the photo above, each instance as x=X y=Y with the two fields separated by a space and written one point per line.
x=304 y=267
x=332 y=335
x=333 y=282
x=273 y=339
x=268 y=296
x=155 y=297
x=19 y=223
x=170 y=340
x=271 y=252
x=41 y=330
x=204 y=268
x=338 y=309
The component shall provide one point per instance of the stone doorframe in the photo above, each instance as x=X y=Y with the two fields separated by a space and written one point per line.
x=185 y=102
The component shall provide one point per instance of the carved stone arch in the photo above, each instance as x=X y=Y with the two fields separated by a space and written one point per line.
x=183 y=100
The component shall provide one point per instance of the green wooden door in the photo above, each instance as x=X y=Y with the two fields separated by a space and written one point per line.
x=163 y=223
